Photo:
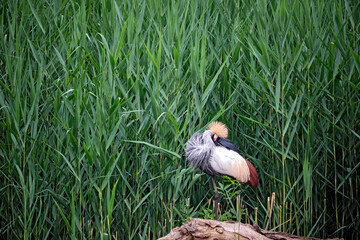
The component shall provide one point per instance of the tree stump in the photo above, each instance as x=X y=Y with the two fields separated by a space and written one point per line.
x=201 y=229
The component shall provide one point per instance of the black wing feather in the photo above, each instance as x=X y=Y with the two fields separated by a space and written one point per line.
x=227 y=144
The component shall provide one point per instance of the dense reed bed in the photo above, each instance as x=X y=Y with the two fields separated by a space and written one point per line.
x=98 y=99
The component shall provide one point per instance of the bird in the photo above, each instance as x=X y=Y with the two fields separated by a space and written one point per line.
x=213 y=153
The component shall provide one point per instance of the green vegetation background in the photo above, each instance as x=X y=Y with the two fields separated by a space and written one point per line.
x=98 y=99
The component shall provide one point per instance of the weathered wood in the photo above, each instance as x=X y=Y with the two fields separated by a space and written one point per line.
x=204 y=229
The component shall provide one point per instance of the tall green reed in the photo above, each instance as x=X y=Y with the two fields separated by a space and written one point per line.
x=98 y=100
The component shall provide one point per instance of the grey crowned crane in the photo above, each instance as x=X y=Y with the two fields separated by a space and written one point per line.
x=215 y=155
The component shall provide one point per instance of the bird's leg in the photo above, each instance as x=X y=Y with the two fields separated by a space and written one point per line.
x=216 y=197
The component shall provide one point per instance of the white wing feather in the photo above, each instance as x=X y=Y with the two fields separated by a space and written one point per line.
x=228 y=162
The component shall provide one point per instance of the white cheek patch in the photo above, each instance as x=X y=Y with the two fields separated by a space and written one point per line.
x=228 y=162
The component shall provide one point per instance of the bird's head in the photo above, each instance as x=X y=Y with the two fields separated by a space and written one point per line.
x=216 y=130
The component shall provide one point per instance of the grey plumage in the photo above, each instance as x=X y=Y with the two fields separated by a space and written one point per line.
x=199 y=150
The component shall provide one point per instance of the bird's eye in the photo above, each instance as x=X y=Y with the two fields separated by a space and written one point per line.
x=213 y=137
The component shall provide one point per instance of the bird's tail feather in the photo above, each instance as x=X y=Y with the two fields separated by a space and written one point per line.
x=254 y=179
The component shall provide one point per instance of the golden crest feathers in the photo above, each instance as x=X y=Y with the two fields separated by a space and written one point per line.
x=219 y=129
